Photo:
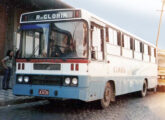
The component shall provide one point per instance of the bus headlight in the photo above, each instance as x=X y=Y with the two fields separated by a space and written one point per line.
x=26 y=79
x=74 y=81
x=20 y=79
x=67 y=81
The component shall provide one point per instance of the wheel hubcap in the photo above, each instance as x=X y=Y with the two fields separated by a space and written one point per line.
x=107 y=95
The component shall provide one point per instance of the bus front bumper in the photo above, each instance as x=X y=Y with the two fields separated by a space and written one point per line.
x=51 y=91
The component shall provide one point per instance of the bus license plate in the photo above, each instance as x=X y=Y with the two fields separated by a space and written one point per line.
x=43 y=92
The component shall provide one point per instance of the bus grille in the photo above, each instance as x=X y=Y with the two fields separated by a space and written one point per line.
x=47 y=66
x=46 y=80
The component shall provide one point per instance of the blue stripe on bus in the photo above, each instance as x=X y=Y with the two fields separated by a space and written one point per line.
x=89 y=89
x=63 y=92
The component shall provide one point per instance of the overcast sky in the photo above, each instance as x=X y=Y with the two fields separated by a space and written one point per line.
x=140 y=17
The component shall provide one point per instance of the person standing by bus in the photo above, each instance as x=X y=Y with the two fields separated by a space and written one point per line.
x=7 y=64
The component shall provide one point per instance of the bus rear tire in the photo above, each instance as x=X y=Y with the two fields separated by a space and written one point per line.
x=108 y=92
x=143 y=92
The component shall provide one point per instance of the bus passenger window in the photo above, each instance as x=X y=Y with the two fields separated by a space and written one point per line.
x=93 y=54
x=132 y=44
x=137 y=46
x=122 y=40
x=145 y=49
x=126 y=42
x=152 y=51
x=102 y=40
x=113 y=36
x=107 y=34
x=119 y=38
x=149 y=50
x=141 y=47
x=155 y=52
x=97 y=43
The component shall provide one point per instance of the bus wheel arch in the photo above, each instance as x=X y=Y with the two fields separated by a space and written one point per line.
x=114 y=90
x=146 y=79
x=109 y=94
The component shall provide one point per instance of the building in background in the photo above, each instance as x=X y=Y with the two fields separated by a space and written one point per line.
x=10 y=11
x=161 y=68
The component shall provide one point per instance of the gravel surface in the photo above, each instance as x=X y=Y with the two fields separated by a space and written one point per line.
x=126 y=107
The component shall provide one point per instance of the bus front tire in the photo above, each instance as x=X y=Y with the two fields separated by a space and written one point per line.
x=143 y=92
x=108 y=92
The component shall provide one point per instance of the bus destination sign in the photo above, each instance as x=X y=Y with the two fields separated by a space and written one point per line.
x=52 y=16
x=48 y=16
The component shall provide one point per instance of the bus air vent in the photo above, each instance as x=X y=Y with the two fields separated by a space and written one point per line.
x=47 y=66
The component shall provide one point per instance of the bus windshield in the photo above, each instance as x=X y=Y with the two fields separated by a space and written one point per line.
x=58 y=39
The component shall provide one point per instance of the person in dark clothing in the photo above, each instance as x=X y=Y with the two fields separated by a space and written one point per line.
x=7 y=64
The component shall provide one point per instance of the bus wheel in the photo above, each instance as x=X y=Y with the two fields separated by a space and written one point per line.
x=108 y=91
x=143 y=92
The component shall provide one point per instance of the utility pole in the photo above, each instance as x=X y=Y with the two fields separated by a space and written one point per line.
x=160 y=22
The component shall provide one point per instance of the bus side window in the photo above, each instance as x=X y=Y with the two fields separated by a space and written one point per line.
x=102 y=40
x=93 y=51
x=122 y=40
x=126 y=42
x=149 y=50
x=132 y=44
x=119 y=38
x=141 y=47
x=152 y=52
x=137 y=46
x=146 y=49
x=107 y=34
x=97 y=43
x=155 y=52
x=113 y=37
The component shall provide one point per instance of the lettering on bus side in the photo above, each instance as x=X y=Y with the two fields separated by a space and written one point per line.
x=119 y=70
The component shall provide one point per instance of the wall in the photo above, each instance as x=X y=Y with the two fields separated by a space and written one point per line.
x=3 y=24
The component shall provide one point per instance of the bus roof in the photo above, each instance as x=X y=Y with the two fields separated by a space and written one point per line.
x=91 y=15
x=122 y=30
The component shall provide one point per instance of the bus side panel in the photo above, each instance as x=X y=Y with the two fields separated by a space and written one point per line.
x=96 y=88
x=123 y=85
x=126 y=85
x=127 y=74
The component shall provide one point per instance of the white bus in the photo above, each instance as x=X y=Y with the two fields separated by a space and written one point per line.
x=73 y=54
